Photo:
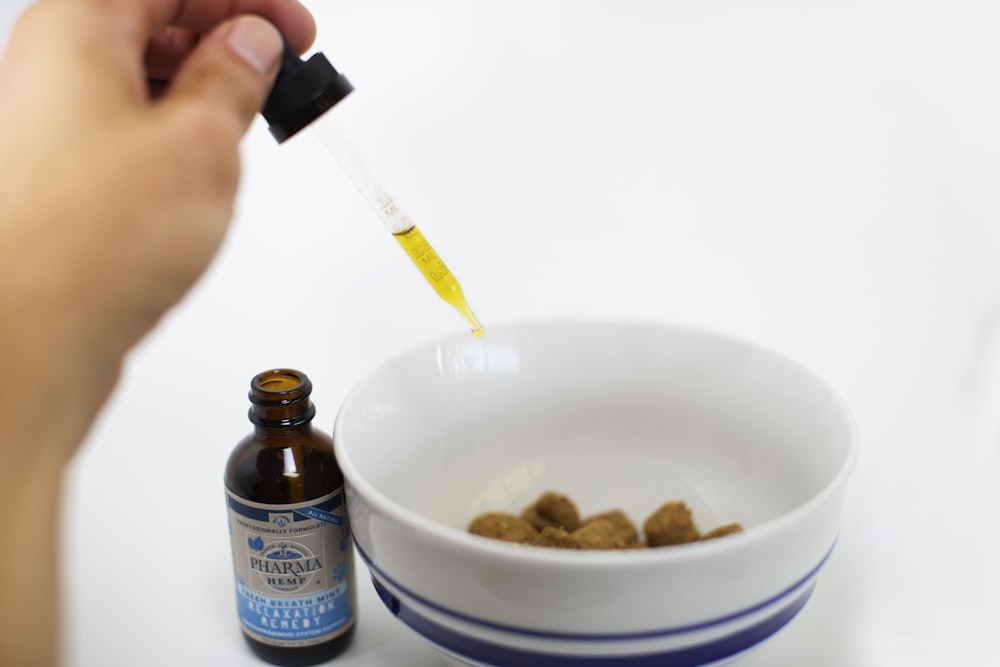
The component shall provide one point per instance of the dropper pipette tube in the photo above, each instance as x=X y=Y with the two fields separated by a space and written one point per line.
x=395 y=219
x=303 y=92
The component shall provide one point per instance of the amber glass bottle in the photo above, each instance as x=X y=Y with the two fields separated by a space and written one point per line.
x=292 y=553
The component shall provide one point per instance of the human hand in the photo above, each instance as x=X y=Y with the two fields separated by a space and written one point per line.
x=115 y=194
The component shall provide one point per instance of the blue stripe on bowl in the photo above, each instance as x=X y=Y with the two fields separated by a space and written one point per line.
x=495 y=654
x=592 y=637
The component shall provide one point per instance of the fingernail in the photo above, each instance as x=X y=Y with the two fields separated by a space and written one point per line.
x=256 y=41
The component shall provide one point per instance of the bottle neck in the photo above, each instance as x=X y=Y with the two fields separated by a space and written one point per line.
x=282 y=416
x=274 y=433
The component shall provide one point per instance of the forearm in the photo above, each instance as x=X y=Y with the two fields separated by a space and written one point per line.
x=53 y=384
x=29 y=579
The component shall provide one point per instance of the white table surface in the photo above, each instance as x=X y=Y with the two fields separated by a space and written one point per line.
x=819 y=177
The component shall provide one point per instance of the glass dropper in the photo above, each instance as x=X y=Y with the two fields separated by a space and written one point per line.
x=302 y=93
x=399 y=224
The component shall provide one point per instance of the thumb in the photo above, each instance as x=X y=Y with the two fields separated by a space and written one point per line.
x=232 y=69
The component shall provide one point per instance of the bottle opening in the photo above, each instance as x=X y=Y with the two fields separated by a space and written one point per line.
x=278 y=381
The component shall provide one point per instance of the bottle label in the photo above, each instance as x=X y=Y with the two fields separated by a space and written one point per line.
x=293 y=569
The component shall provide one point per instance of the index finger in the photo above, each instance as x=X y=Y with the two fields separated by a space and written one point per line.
x=292 y=19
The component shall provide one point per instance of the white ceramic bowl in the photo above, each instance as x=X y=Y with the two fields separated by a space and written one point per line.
x=617 y=415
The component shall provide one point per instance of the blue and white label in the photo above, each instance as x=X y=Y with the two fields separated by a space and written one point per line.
x=294 y=569
x=295 y=620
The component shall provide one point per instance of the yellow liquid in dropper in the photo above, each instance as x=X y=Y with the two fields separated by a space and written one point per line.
x=399 y=224
x=437 y=274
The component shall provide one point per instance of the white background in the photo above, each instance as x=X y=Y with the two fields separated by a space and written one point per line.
x=819 y=177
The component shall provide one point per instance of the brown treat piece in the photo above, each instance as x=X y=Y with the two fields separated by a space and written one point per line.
x=622 y=523
x=671 y=524
x=721 y=531
x=553 y=509
x=503 y=526
x=556 y=537
x=600 y=534
x=637 y=545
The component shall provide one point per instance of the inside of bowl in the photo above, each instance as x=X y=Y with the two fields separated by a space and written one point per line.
x=617 y=417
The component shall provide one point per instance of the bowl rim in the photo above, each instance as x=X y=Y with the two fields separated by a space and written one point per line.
x=458 y=540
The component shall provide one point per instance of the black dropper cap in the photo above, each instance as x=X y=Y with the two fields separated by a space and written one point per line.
x=303 y=91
